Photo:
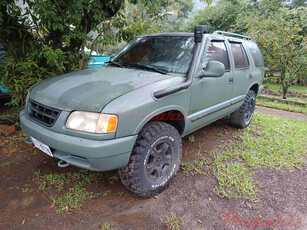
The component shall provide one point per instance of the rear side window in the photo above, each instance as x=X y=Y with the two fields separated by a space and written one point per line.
x=217 y=52
x=256 y=54
x=239 y=55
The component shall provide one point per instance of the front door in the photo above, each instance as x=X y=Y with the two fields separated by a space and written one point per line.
x=211 y=96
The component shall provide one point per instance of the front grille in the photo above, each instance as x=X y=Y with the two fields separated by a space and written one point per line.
x=43 y=114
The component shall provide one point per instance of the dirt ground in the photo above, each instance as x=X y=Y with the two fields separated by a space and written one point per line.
x=283 y=195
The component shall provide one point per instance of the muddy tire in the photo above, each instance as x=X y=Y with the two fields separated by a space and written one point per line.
x=243 y=116
x=154 y=160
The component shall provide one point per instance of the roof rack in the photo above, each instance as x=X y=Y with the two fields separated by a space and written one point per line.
x=231 y=34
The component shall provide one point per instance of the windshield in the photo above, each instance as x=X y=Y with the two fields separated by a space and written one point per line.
x=171 y=54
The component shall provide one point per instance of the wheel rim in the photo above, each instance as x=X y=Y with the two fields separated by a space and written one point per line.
x=249 y=110
x=159 y=162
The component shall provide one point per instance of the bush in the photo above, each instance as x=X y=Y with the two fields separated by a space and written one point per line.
x=18 y=77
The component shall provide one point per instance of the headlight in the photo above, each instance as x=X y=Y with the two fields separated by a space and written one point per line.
x=92 y=122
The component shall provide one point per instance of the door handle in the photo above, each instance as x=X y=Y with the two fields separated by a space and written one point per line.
x=230 y=81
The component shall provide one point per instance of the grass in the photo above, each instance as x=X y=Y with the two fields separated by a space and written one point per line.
x=191 y=139
x=193 y=168
x=173 y=222
x=25 y=188
x=5 y=164
x=270 y=83
x=293 y=88
x=282 y=106
x=73 y=199
x=70 y=188
x=288 y=98
x=105 y=226
x=268 y=142
x=235 y=181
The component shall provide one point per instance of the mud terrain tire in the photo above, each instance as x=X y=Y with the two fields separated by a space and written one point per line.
x=243 y=116
x=154 y=160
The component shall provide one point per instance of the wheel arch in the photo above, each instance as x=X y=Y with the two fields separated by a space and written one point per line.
x=173 y=115
x=255 y=88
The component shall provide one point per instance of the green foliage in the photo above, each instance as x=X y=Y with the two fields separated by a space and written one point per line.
x=280 y=32
x=46 y=38
x=164 y=15
x=282 y=106
x=173 y=222
x=234 y=181
x=191 y=139
x=283 y=43
x=105 y=226
x=4 y=164
x=221 y=16
x=73 y=199
x=293 y=88
x=193 y=168
x=19 y=76
x=49 y=37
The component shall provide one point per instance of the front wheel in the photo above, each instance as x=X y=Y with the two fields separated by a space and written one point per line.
x=154 y=160
x=243 y=116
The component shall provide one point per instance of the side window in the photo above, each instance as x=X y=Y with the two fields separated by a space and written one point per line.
x=239 y=55
x=217 y=52
x=256 y=54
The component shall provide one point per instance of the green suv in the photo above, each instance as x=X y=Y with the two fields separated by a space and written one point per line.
x=132 y=113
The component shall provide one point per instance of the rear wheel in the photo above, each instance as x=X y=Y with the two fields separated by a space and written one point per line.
x=154 y=160
x=243 y=116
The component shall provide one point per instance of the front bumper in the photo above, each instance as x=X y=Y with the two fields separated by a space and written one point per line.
x=96 y=155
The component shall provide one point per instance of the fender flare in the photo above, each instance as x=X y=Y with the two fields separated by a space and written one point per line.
x=157 y=112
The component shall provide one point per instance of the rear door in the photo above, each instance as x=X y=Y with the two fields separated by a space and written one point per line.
x=256 y=57
x=242 y=73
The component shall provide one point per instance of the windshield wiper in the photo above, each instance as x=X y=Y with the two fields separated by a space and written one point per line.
x=148 y=67
x=115 y=63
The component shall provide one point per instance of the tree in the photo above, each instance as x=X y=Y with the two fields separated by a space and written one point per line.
x=135 y=19
x=298 y=3
x=283 y=44
x=279 y=31
x=47 y=37
x=57 y=24
x=225 y=15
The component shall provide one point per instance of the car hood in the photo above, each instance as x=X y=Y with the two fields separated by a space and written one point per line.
x=91 y=89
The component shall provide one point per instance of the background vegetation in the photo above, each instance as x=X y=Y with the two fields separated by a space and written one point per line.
x=48 y=37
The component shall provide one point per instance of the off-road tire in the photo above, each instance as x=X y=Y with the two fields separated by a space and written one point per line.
x=145 y=153
x=243 y=116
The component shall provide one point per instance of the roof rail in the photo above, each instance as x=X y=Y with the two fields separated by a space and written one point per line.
x=231 y=34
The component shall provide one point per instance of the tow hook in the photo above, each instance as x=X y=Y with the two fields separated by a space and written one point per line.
x=29 y=142
x=62 y=164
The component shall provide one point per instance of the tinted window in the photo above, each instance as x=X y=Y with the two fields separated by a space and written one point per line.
x=256 y=54
x=217 y=52
x=239 y=55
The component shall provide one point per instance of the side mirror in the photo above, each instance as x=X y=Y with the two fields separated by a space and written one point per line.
x=213 y=69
